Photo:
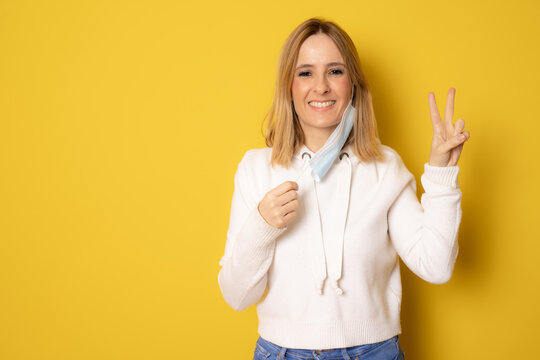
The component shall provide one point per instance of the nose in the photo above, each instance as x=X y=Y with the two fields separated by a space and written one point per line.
x=321 y=85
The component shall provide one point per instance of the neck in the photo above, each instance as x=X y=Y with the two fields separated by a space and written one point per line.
x=315 y=140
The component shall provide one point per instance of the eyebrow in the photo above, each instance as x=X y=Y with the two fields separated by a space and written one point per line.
x=310 y=65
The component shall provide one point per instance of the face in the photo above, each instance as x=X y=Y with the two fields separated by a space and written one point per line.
x=321 y=87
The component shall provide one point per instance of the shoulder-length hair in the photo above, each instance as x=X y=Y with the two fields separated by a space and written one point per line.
x=284 y=132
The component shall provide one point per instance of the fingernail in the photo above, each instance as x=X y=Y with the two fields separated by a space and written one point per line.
x=461 y=137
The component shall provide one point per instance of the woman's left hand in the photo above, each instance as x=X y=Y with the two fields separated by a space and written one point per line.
x=448 y=138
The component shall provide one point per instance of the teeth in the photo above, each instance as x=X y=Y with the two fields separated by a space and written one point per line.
x=321 y=104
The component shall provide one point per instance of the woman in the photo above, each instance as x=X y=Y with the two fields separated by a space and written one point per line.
x=327 y=201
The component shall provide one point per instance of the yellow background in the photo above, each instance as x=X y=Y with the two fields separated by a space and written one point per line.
x=121 y=126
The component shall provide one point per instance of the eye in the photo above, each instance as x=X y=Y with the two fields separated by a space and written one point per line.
x=304 y=73
x=336 y=72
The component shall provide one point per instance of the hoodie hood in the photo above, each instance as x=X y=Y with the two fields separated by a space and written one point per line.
x=327 y=263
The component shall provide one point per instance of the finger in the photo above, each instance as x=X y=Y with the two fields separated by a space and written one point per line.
x=287 y=218
x=455 y=155
x=434 y=112
x=452 y=142
x=449 y=110
x=288 y=196
x=290 y=206
x=465 y=135
x=284 y=187
x=459 y=126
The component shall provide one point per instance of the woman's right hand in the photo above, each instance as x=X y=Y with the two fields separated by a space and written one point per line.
x=279 y=204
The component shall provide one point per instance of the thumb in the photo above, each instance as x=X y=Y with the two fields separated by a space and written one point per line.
x=453 y=142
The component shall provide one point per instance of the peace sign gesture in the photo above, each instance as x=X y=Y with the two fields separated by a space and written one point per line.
x=448 y=138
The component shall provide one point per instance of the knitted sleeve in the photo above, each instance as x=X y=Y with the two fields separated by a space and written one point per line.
x=425 y=233
x=250 y=245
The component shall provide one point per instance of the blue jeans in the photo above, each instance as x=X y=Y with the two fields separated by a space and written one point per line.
x=384 y=350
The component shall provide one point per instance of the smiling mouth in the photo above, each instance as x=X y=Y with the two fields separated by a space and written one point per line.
x=321 y=104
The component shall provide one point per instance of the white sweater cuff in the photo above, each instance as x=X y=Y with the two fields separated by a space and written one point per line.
x=437 y=176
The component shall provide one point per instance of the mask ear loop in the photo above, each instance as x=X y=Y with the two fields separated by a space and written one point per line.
x=352 y=104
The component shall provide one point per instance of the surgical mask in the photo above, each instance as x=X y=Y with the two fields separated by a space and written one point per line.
x=323 y=159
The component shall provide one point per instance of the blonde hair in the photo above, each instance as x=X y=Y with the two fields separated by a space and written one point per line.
x=284 y=132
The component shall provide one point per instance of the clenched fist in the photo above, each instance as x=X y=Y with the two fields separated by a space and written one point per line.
x=279 y=204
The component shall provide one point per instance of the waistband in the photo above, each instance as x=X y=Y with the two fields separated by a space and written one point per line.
x=269 y=348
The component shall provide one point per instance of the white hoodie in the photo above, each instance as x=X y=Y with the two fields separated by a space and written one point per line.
x=349 y=228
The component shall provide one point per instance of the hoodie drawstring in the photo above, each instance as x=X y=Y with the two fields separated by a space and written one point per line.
x=319 y=258
x=335 y=260
x=315 y=240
